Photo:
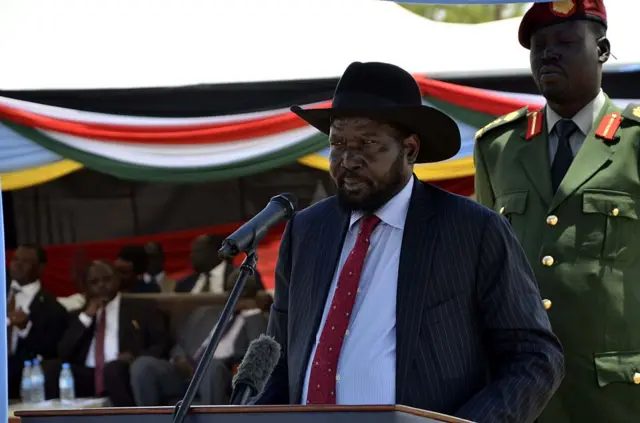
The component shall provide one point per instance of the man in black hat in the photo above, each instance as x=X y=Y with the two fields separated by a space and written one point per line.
x=394 y=291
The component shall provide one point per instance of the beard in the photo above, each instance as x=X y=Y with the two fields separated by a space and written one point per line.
x=376 y=197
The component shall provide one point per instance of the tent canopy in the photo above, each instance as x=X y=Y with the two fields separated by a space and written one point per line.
x=85 y=44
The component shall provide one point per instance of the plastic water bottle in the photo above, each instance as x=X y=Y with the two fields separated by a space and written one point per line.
x=25 y=383
x=37 y=382
x=66 y=385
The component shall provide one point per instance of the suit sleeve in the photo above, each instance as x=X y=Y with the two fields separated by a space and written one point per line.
x=74 y=338
x=276 y=390
x=484 y=191
x=47 y=327
x=526 y=357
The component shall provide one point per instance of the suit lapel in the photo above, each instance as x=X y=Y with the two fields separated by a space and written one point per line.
x=534 y=158
x=125 y=327
x=37 y=302
x=591 y=157
x=418 y=245
x=325 y=258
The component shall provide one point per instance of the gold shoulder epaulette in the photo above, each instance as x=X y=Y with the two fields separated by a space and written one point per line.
x=632 y=112
x=503 y=120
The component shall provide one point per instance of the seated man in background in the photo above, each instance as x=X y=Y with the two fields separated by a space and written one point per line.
x=159 y=382
x=210 y=272
x=104 y=338
x=35 y=320
x=131 y=263
x=155 y=268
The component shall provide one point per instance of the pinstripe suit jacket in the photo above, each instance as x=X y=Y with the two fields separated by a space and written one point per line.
x=473 y=339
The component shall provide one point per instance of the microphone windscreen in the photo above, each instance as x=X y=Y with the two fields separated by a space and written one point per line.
x=258 y=363
x=290 y=201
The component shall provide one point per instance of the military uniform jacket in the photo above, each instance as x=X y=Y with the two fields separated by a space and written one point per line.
x=584 y=246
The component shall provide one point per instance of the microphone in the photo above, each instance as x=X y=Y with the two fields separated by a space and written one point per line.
x=256 y=368
x=280 y=208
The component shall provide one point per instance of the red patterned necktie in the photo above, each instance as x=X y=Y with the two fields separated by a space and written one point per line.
x=322 y=381
x=101 y=329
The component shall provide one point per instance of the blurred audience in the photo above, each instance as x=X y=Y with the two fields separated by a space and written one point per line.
x=160 y=382
x=155 y=268
x=35 y=319
x=117 y=347
x=131 y=263
x=104 y=338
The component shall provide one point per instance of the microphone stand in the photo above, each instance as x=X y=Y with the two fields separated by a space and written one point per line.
x=247 y=269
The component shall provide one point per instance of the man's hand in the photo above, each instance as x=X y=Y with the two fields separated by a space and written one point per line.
x=18 y=318
x=126 y=357
x=93 y=305
x=183 y=366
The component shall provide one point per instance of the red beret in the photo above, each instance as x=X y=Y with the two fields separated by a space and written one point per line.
x=545 y=14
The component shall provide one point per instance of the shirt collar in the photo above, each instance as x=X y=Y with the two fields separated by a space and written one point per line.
x=583 y=119
x=394 y=212
x=28 y=289
x=157 y=278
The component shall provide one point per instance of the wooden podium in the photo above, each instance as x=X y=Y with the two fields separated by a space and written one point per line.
x=238 y=414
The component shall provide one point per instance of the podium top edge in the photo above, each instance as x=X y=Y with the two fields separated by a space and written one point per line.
x=227 y=409
x=201 y=409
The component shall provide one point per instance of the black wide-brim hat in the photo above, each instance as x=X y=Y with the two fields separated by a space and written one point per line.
x=389 y=94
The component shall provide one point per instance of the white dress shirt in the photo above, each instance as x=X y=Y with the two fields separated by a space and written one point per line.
x=227 y=345
x=584 y=120
x=72 y=302
x=216 y=280
x=367 y=366
x=157 y=279
x=112 y=332
x=24 y=295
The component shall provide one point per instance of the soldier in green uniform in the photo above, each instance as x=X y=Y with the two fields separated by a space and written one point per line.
x=567 y=178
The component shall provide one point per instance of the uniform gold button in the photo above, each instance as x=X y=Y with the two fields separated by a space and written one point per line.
x=552 y=220
x=615 y=212
x=546 y=303
x=547 y=261
x=501 y=210
x=636 y=378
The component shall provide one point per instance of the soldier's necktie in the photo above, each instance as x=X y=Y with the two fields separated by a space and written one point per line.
x=322 y=381
x=564 y=128
x=100 y=332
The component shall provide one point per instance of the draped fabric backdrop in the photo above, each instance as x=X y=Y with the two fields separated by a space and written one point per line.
x=45 y=142
x=194 y=147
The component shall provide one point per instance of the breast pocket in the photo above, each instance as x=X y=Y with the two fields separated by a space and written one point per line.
x=609 y=229
x=513 y=206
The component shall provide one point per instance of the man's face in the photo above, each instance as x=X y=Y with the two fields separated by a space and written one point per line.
x=155 y=258
x=125 y=270
x=565 y=60
x=102 y=281
x=203 y=258
x=25 y=266
x=368 y=163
